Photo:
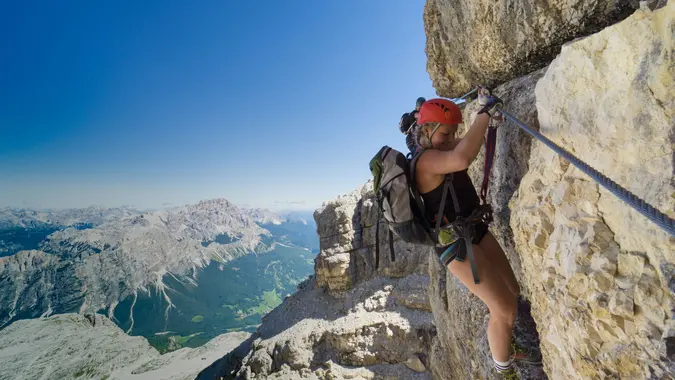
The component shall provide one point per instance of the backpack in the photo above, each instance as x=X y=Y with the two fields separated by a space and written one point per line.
x=399 y=202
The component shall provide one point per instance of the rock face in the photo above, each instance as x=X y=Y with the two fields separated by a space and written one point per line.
x=366 y=333
x=347 y=234
x=37 y=284
x=71 y=346
x=599 y=274
x=512 y=154
x=476 y=42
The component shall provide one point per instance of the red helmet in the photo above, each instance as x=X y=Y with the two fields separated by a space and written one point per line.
x=439 y=111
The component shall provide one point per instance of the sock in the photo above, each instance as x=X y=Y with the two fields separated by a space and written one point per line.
x=502 y=366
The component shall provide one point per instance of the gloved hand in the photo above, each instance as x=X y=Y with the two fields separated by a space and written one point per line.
x=489 y=102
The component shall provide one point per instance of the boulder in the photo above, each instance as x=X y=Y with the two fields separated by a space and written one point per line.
x=598 y=273
x=491 y=42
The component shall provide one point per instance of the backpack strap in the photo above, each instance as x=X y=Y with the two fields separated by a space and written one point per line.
x=377 y=238
x=391 y=246
x=416 y=194
x=455 y=202
x=447 y=186
x=447 y=183
x=392 y=254
x=413 y=178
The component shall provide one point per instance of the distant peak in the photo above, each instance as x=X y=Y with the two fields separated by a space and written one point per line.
x=216 y=202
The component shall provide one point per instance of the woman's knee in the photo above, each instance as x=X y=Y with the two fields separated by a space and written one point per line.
x=504 y=310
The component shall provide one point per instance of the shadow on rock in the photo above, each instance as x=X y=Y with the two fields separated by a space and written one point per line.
x=525 y=335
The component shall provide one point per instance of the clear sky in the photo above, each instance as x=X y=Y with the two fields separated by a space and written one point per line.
x=152 y=103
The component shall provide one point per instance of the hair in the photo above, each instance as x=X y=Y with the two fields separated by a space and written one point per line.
x=422 y=139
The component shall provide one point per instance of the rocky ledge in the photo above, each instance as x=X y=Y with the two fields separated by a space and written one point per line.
x=77 y=346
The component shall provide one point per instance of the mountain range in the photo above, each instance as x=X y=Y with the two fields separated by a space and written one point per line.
x=153 y=266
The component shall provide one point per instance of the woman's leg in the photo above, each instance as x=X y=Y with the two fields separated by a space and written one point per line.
x=497 y=258
x=495 y=293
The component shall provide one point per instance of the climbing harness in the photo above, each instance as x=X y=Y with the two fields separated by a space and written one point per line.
x=644 y=208
x=461 y=230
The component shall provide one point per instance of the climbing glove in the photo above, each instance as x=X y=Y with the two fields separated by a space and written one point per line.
x=489 y=102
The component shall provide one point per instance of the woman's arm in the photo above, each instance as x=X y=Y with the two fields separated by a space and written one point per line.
x=441 y=162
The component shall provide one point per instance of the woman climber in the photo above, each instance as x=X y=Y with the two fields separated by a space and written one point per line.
x=442 y=166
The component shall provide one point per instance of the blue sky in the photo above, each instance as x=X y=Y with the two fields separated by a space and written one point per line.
x=149 y=103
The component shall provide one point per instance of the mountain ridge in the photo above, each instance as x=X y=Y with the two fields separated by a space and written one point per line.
x=97 y=267
x=101 y=350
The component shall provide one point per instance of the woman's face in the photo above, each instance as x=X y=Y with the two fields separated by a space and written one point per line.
x=444 y=138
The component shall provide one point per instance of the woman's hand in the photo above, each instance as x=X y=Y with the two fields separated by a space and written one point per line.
x=489 y=104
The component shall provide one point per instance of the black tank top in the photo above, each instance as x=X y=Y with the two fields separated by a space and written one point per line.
x=466 y=197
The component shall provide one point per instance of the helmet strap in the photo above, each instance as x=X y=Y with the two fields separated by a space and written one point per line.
x=434 y=132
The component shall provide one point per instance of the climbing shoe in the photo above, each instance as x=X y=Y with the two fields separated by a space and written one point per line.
x=524 y=355
x=508 y=374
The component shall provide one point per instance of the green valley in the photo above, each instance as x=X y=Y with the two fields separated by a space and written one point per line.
x=224 y=297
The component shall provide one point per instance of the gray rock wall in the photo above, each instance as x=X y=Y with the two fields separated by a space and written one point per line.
x=491 y=42
x=598 y=272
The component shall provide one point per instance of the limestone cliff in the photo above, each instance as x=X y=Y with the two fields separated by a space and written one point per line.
x=491 y=42
x=599 y=274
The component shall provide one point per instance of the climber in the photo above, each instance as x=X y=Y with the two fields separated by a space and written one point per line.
x=408 y=125
x=442 y=155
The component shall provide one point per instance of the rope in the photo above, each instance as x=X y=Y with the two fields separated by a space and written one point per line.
x=644 y=208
